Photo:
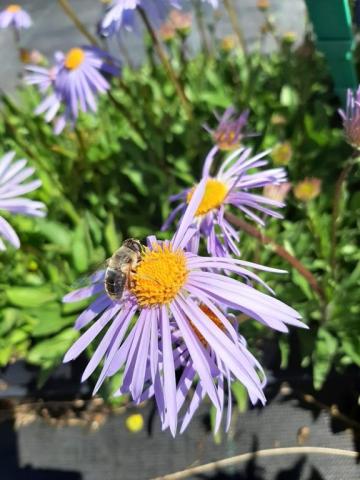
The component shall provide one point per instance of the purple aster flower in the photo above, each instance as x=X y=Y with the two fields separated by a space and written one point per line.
x=14 y=16
x=165 y=290
x=121 y=13
x=351 y=118
x=229 y=133
x=233 y=185
x=74 y=81
x=223 y=376
x=12 y=189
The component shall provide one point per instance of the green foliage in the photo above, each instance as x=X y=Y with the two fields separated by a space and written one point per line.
x=111 y=177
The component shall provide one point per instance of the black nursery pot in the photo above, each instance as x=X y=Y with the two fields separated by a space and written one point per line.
x=40 y=451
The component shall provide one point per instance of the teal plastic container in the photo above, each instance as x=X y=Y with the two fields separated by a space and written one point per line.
x=333 y=28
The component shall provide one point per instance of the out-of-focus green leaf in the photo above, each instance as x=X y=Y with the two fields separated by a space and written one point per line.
x=325 y=349
x=241 y=396
x=52 y=350
x=29 y=297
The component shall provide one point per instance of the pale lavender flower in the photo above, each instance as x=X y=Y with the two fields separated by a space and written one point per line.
x=165 y=291
x=72 y=83
x=229 y=133
x=12 y=189
x=122 y=13
x=351 y=118
x=233 y=185
x=187 y=404
x=14 y=16
x=44 y=79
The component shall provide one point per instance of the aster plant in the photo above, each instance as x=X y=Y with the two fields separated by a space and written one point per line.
x=229 y=133
x=12 y=188
x=15 y=16
x=233 y=185
x=164 y=304
x=73 y=83
x=351 y=118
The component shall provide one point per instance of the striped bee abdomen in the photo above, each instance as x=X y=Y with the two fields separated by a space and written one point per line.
x=114 y=283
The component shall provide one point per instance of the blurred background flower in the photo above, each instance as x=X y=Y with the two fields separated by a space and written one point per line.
x=308 y=189
x=14 y=16
x=12 y=189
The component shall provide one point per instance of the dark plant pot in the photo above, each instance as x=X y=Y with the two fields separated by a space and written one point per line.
x=39 y=451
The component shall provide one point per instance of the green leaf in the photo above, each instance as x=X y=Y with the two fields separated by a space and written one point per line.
x=53 y=349
x=55 y=232
x=217 y=435
x=5 y=354
x=325 y=349
x=301 y=282
x=80 y=253
x=136 y=178
x=9 y=319
x=289 y=97
x=113 y=239
x=284 y=351
x=49 y=320
x=29 y=296
x=241 y=396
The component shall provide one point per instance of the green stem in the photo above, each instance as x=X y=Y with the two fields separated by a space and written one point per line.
x=340 y=183
x=165 y=61
x=279 y=250
x=69 y=11
x=229 y=7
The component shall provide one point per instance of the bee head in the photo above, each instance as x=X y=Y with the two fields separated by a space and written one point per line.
x=133 y=244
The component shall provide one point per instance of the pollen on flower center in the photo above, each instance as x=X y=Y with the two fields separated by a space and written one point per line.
x=213 y=318
x=74 y=58
x=159 y=276
x=13 y=8
x=215 y=193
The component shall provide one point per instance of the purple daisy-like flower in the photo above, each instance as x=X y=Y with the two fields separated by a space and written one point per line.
x=229 y=133
x=351 y=118
x=165 y=290
x=12 y=189
x=223 y=376
x=121 y=13
x=73 y=82
x=14 y=16
x=231 y=186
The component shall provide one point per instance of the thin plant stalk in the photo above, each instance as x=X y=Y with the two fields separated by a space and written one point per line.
x=279 y=250
x=229 y=7
x=340 y=183
x=166 y=63
x=201 y=27
x=65 y=5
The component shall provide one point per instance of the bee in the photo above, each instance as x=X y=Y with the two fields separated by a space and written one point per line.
x=120 y=266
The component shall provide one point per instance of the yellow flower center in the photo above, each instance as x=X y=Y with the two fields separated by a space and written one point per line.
x=74 y=58
x=159 y=276
x=213 y=318
x=13 y=8
x=215 y=193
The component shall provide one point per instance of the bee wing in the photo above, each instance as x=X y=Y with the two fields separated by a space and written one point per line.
x=96 y=275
